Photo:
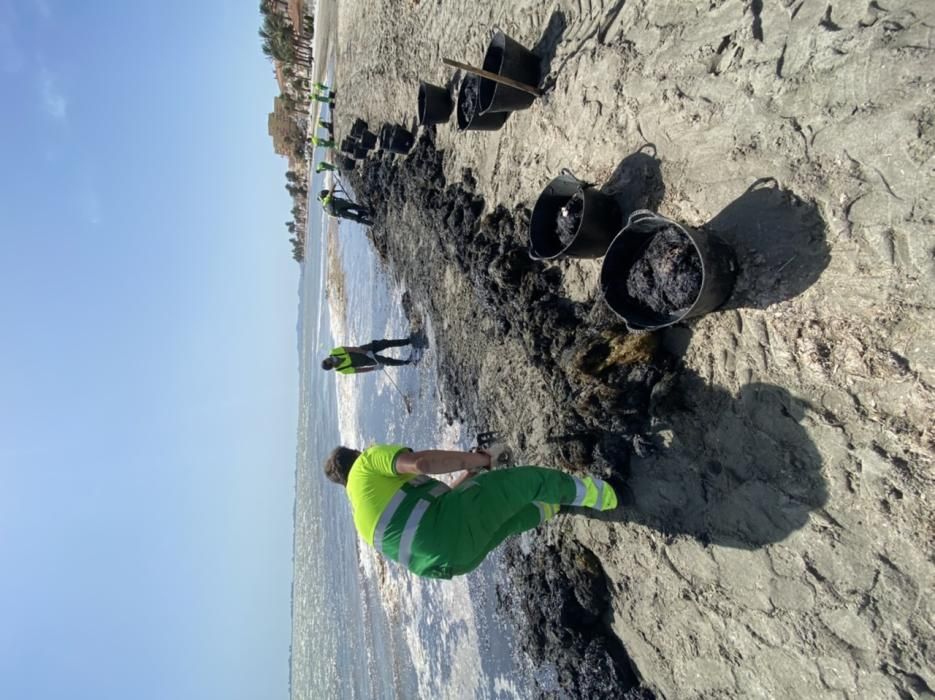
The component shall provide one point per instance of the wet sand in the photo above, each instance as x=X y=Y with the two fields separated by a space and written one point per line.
x=776 y=537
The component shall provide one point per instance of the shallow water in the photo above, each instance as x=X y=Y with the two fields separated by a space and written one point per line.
x=358 y=632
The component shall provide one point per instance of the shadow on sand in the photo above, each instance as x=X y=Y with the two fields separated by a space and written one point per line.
x=780 y=242
x=548 y=43
x=738 y=471
x=781 y=248
x=636 y=182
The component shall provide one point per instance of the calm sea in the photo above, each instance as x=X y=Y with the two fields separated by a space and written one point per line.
x=363 y=628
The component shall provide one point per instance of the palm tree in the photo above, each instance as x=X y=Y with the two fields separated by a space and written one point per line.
x=277 y=36
x=275 y=26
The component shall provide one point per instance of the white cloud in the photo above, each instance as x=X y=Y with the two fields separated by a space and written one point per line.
x=53 y=101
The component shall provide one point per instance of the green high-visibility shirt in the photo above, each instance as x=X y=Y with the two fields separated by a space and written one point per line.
x=371 y=485
x=349 y=361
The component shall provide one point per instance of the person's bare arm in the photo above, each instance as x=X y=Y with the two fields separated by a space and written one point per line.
x=369 y=368
x=440 y=462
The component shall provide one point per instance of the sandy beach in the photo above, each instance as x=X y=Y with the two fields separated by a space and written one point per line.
x=777 y=534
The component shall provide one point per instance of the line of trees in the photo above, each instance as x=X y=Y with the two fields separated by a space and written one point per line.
x=277 y=35
x=289 y=49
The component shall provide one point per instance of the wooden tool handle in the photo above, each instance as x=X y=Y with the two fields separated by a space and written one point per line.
x=532 y=90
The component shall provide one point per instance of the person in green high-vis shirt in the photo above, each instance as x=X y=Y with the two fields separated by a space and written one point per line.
x=437 y=531
x=321 y=143
x=349 y=359
x=322 y=94
x=344 y=208
x=325 y=165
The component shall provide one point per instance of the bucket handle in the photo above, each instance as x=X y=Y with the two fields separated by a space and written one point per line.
x=646 y=146
x=641 y=215
x=567 y=173
x=533 y=255
x=760 y=182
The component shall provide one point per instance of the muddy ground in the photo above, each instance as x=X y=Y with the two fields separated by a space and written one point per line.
x=776 y=538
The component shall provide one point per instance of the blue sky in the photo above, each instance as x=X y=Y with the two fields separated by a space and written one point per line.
x=148 y=364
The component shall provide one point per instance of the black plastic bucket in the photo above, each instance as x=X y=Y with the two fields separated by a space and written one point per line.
x=718 y=271
x=345 y=163
x=385 y=132
x=349 y=145
x=358 y=127
x=510 y=59
x=396 y=139
x=360 y=153
x=476 y=121
x=367 y=140
x=435 y=104
x=599 y=223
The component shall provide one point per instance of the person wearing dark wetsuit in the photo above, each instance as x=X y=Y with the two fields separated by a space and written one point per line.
x=358 y=360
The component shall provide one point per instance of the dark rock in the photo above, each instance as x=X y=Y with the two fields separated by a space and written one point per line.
x=642 y=447
x=600 y=376
x=565 y=610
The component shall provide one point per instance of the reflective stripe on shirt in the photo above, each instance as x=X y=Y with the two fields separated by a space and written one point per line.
x=387 y=515
x=399 y=521
x=580 y=492
x=409 y=531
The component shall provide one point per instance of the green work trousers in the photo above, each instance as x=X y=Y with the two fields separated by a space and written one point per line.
x=463 y=526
